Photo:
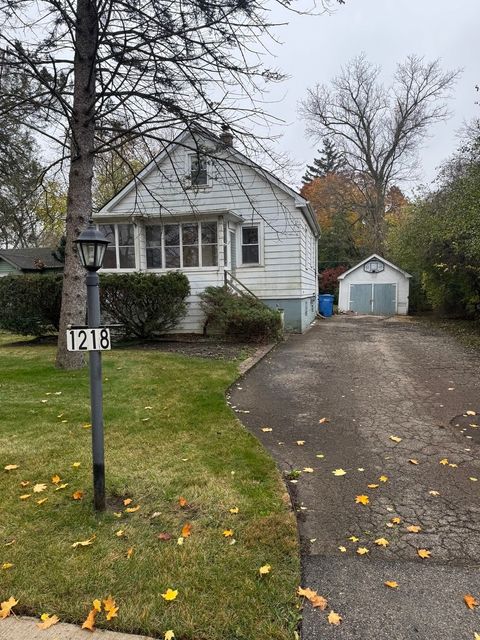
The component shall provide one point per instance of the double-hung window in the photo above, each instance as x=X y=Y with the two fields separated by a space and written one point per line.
x=120 y=253
x=198 y=170
x=182 y=245
x=250 y=245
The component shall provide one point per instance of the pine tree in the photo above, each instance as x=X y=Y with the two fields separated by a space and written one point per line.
x=330 y=161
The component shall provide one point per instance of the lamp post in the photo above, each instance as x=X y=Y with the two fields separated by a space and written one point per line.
x=91 y=245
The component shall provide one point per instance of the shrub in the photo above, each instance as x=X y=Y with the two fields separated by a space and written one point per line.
x=146 y=304
x=328 y=280
x=241 y=317
x=30 y=304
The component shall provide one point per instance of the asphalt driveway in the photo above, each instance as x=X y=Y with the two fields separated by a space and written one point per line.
x=332 y=399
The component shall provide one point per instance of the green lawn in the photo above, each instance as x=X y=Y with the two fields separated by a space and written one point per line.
x=187 y=444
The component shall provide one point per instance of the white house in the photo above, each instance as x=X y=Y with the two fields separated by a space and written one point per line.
x=374 y=286
x=202 y=207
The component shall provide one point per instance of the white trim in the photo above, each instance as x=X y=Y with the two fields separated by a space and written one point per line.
x=378 y=257
x=241 y=263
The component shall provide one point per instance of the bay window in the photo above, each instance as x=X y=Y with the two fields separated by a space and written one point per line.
x=182 y=245
x=120 y=253
x=153 y=237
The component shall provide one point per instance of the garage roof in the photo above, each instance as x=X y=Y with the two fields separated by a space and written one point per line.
x=372 y=257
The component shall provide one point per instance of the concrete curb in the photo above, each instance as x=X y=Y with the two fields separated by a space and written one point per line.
x=23 y=628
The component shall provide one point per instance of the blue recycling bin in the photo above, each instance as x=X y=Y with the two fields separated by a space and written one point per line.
x=325 y=304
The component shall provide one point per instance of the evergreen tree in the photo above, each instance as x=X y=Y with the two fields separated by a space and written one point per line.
x=330 y=161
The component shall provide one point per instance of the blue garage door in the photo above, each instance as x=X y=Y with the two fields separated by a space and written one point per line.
x=376 y=299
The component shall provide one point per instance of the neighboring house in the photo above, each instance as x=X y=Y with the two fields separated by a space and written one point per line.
x=29 y=260
x=374 y=286
x=206 y=209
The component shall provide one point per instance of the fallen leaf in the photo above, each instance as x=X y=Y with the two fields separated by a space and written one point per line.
x=170 y=594
x=130 y=553
x=373 y=486
x=90 y=621
x=182 y=501
x=6 y=607
x=86 y=426
x=164 y=536
x=423 y=553
x=362 y=551
x=234 y=510
x=267 y=429
x=38 y=488
x=7 y=565
x=354 y=538
x=169 y=635
x=444 y=461
x=413 y=461
x=476 y=636
x=300 y=442
x=266 y=568
x=47 y=621
x=434 y=493
x=25 y=496
x=120 y=533
x=339 y=472
x=117 y=514
x=391 y=583
x=320 y=455
x=11 y=467
x=395 y=439
x=9 y=544
x=414 y=528
x=362 y=500
x=451 y=464
x=334 y=618
x=323 y=420
x=56 y=479
x=97 y=605
x=228 y=533
x=62 y=486
x=383 y=478
x=180 y=541
x=342 y=549
x=319 y=602
x=84 y=543
x=382 y=542
x=132 y=509
x=24 y=483
x=110 y=607
x=306 y=593
x=78 y=495
x=395 y=520
x=127 y=501
x=42 y=501
x=473 y=479
x=308 y=470
x=186 y=530
x=471 y=413
x=471 y=601
x=75 y=465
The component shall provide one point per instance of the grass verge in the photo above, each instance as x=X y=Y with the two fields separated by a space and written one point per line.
x=168 y=433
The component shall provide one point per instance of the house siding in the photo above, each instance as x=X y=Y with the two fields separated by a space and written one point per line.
x=7 y=269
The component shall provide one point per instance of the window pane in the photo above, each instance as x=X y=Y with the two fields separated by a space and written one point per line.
x=198 y=170
x=154 y=235
x=250 y=235
x=209 y=233
x=125 y=235
x=127 y=257
x=250 y=254
x=110 y=259
x=190 y=233
x=209 y=255
x=154 y=258
x=172 y=257
x=190 y=256
x=172 y=235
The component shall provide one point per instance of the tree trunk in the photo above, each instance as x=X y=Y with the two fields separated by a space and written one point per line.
x=79 y=204
x=378 y=221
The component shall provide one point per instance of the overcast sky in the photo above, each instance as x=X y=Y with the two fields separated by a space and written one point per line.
x=315 y=47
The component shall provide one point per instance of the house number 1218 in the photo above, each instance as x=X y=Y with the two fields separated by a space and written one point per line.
x=88 y=340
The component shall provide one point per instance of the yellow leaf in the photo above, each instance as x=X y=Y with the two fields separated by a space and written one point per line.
x=395 y=439
x=42 y=501
x=47 y=621
x=234 y=510
x=78 y=495
x=130 y=553
x=11 y=467
x=6 y=607
x=180 y=541
x=413 y=461
x=391 y=583
x=97 y=605
x=132 y=509
x=373 y=486
x=383 y=478
x=334 y=618
x=25 y=496
x=308 y=470
x=117 y=514
x=476 y=636
x=362 y=500
x=111 y=608
x=300 y=442
x=444 y=461
x=306 y=593
x=266 y=568
x=434 y=493
x=56 y=479
x=24 y=483
x=7 y=565
x=342 y=549
x=318 y=602
x=61 y=486
x=451 y=464
x=382 y=542
x=267 y=429
x=170 y=594
x=395 y=520
x=320 y=455
x=186 y=530
x=339 y=472
x=423 y=553
x=84 y=543
x=90 y=621
x=228 y=533
x=471 y=413
x=86 y=426
x=323 y=420
x=182 y=501
x=354 y=538
x=362 y=551
x=120 y=533
x=470 y=601
x=473 y=479
x=127 y=501
x=414 y=528
x=38 y=488
x=75 y=465
x=169 y=635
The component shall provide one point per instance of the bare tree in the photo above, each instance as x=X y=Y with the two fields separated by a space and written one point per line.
x=379 y=129
x=156 y=65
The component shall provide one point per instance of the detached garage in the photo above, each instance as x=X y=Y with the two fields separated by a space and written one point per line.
x=374 y=287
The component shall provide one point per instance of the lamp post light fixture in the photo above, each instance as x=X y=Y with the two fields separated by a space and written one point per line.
x=91 y=245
